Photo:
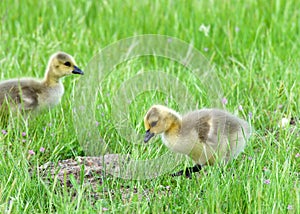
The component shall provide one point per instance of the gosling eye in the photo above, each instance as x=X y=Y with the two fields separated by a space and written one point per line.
x=153 y=123
x=67 y=64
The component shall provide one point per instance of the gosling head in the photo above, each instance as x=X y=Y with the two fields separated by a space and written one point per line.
x=159 y=119
x=62 y=64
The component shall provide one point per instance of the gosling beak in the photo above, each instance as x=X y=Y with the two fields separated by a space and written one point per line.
x=148 y=136
x=77 y=70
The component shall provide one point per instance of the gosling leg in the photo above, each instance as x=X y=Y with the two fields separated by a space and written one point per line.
x=188 y=171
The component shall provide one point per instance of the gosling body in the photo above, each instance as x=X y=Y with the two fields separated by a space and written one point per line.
x=207 y=136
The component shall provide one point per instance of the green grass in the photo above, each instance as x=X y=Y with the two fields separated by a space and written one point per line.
x=254 y=46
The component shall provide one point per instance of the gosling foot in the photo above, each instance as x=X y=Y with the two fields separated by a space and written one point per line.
x=188 y=171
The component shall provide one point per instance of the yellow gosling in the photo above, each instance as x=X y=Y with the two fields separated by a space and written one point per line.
x=31 y=94
x=207 y=135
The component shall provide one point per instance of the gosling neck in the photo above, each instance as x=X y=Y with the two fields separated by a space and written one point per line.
x=50 y=78
x=175 y=126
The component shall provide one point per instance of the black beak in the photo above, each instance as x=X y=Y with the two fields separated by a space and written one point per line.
x=148 y=136
x=77 y=70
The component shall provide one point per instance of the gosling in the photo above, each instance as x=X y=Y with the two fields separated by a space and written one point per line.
x=207 y=136
x=29 y=94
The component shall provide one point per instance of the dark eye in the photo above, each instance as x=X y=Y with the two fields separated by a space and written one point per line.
x=67 y=64
x=153 y=123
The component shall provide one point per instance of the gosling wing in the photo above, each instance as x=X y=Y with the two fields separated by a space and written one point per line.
x=18 y=93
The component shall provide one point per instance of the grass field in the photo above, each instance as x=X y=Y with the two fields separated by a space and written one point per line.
x=254 y=47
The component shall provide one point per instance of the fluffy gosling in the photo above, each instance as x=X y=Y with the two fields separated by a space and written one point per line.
x=31 y=94
x=207 y=136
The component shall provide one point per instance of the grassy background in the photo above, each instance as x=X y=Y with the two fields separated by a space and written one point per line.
x=255 y=48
